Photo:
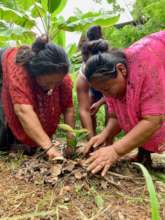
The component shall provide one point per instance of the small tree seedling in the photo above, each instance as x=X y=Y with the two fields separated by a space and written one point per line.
x=76 y=136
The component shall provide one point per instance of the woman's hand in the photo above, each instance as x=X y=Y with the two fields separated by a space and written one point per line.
x=95 y=107
x=102 y=159
x=53 y=151
x=95 y=142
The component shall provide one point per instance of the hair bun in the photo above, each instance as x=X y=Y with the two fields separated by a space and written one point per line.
x=40 y=43
x=94 y=33
x=98 y=46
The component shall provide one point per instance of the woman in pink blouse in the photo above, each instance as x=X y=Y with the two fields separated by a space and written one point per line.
x=133 y=81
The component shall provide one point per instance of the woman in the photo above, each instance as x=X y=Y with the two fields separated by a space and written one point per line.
x=133 y=81
x=89 y=99
x=36 y=90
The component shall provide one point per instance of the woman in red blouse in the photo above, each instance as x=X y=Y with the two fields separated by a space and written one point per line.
x=36 y=90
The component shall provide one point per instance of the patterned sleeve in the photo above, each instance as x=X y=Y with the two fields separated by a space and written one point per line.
x=19 y=83
x=66 y=100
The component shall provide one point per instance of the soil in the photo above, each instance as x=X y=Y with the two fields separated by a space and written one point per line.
x=39 y=189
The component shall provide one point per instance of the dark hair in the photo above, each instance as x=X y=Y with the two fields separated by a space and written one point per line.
x=93 y=47
x=94 y=33
x=104 y=64
x=43 y=58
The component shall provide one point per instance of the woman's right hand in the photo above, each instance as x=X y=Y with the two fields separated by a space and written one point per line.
x=53 y=151
x=95 y=142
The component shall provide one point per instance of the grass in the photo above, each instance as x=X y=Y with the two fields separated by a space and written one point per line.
x=155 y=209
x=53 y=212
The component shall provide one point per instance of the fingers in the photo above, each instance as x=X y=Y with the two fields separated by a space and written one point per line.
x=93 y=110
x=90 y=159
x=86 y=149
x=97 y=143
x=89 y=145
x=53 y=153
x=56 y=143
x=94 y=163
x=97 y=166
x=97 y=169
x=101 y=159
x=106 y=168
x=94 y=142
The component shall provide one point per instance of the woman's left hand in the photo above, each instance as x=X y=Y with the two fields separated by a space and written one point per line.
x=102 y=159
x=95 y=107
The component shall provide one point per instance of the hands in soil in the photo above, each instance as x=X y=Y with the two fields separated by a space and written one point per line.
x=102 y=160
x=54 y=152
x=94 y=142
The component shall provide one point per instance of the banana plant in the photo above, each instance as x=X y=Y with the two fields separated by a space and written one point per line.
x=21 y=20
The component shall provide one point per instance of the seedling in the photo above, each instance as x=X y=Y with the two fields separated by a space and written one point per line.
x=76 y=136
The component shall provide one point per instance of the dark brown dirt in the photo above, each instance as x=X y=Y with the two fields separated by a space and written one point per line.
x=66 y=189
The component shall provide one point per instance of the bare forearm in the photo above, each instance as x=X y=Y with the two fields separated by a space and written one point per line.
x=102 y=101
x=112 y=129
x=87 y=121
x=69 y=117
x=136 y=137
x=33 y=128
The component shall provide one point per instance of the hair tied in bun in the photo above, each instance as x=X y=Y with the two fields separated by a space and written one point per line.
x=40 y=43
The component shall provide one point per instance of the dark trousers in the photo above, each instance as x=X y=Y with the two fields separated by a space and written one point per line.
x=5 y=134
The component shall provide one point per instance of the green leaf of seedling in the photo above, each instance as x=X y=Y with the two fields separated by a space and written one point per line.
x=81 y=131
x=66 y=127
x=72 y=142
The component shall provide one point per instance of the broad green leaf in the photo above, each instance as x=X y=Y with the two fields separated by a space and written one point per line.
x=54 y=6
x=82 y=16
x=152 y=193
x=66 y=127
x=55 y=23
x=79 y=24
x=23 y=4
x=36 y=10
x=71 y=50
x=99 y=201
x=14 y=32
x=60 y=7
x=8 y=3
x=16 y=17
x=60 y=38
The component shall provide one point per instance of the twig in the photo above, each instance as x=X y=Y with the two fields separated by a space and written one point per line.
x=100 y=212
x=43 y=152
x=113 y=183
x=121 y=176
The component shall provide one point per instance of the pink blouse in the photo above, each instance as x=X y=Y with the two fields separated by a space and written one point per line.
x=145 y=94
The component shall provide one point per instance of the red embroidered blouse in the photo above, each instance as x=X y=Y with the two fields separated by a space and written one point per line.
x=19 y=88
